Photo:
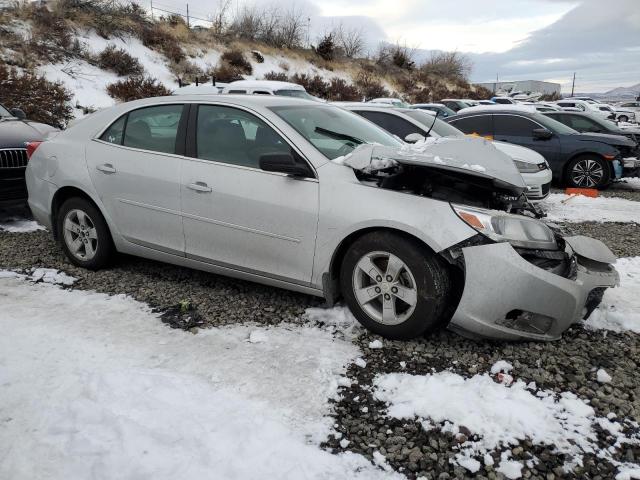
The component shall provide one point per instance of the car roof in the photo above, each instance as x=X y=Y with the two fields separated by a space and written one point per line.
x=257 y=101
x=266 y=84
x=440 y=105
x=499 y=108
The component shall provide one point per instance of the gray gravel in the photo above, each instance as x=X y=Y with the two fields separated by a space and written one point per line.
x=566 y=365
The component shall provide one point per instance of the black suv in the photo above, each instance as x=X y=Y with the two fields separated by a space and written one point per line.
x=15 y=133
x=576 y=159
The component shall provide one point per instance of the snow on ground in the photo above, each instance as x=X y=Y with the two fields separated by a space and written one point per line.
x=17 y=224
x=338 y=319
x=95 y=386
x=620 y=307
x=579 y=208
x=629 y=183
x=500 y=415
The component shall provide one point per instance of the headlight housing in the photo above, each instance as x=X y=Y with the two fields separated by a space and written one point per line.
x=519 y=231
x=526 y=167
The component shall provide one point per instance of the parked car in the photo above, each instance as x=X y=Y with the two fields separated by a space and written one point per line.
x=586 y=106
x=543 y=107
x=589 y=123
x=576 y=159
x=15 y=134
x=486 y=102
x=442 y=110
x=413 y=125
x=504 y=100
x=394 y=102
x=268 y=87
x=312 y=198
x=630 y=107
x=626 y=115
x=454 y=104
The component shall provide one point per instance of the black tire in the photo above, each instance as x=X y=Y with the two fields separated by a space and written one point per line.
x=102 y=245
x=432 y=283
x=588 y=171
x=623 y=118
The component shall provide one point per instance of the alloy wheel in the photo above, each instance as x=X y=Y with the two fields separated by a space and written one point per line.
x=80 y=235
x=587 y=173
x=385 y=288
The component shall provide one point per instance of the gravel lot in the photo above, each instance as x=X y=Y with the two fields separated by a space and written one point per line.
x=566 y=365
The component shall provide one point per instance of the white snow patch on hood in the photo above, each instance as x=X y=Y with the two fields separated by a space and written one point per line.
x=578 y=208
x=95 y=386
x=501 y=416
x=620 y=307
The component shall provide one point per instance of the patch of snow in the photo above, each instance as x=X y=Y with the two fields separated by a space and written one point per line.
x=51 y=275
x=628 y=473
x=500 y=415
x=14 y=224
x=578 y=208
x=344 y=443
x=337 y=319
x=95 y=386
x=258 y=336
x=620 y=307
x=602 y=376
x=470 y=464
x=501 y=366
x=360 y=362
x=375 y=344
x=628 y=183
x=510 y=469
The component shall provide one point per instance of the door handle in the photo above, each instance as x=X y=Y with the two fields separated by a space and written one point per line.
x=199 y=187
x=106 y=168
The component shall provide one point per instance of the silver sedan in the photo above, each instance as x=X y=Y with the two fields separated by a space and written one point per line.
x=312 y=198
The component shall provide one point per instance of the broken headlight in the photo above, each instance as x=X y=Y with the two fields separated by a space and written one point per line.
x=519 y=231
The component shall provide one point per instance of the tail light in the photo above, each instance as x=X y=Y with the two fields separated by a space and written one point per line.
x=31 y=148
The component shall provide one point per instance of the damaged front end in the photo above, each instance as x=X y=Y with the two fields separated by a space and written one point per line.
x=531 y=284
x=469 y=171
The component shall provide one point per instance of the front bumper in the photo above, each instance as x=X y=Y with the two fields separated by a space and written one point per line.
x=501 y=285
x=538 y=185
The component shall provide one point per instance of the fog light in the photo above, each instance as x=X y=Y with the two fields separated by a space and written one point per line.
x=526 y=322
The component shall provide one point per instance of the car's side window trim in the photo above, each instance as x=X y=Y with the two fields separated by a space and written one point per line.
x=191 y=138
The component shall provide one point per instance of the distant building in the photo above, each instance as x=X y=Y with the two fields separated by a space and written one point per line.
x=546 y=88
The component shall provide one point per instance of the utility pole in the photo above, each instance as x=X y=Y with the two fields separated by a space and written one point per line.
x=188 y=16
x=495 y=85
x=573 y=85
x=151 y=9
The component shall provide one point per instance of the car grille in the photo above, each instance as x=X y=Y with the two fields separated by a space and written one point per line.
x=13 y=158
x=538 y=192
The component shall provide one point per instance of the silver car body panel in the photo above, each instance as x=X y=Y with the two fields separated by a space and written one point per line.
x=488 y=268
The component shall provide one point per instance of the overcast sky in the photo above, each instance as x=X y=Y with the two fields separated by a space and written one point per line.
x=516 y=39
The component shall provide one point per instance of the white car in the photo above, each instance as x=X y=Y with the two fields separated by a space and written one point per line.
x=394 y=102
x=268 y=87
x=586 y=106
x=309 y=197
x=406 y=123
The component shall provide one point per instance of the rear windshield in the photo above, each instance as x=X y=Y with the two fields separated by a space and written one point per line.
x=440 y=128
x=294 y=93
x=333 y=131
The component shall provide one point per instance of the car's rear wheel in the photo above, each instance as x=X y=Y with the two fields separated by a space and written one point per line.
x=84 y=234
x=588 y=171
x=394 y=286
x=623 y=118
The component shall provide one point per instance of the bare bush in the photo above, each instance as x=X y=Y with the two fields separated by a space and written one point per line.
x=247 y=23
x=292 y=28
x=225 y=72
x=186 y=70
x=369 y=86
x=340 y=90
x=278 y=76
x=447 y=65
x=119 y=61
x=315 y=85
x=236 y=59
x=350 y=41
x=135 y=88
x=42 y=100
x=156 y=36
x=220 y=18
x=396 y=55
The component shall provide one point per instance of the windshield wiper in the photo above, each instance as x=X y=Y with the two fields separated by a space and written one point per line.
x=339 y=136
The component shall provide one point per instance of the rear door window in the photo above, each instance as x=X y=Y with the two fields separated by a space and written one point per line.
x=153 y=128
x=114 y=133
x=479 y=125
x=513 y=126
x=392 y=123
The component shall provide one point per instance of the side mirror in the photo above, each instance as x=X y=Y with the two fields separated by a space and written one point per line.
x=542 y=134
x=414 y=137
x=18 y=113
x=284 y=163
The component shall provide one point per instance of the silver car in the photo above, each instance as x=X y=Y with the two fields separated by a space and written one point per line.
x=312 y=198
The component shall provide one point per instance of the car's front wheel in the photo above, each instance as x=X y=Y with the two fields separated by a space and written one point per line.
x=623 y=118
x=588 y=171
x=84 y=234
x=394 y=286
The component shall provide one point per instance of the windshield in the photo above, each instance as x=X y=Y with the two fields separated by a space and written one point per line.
x=4 y=112
x=333 y=131
x=440 y=128
x=553 y=125
x=294 y=93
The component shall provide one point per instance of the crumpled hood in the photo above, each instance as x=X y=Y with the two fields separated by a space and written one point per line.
x=619 y=140
x=473 y=156
x=14 y=133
